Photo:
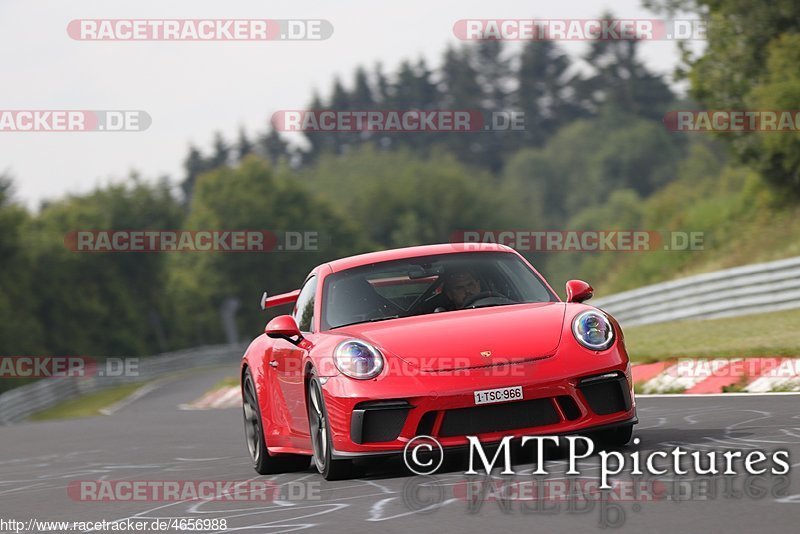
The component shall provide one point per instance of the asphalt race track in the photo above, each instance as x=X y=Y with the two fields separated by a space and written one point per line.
x=151 y=439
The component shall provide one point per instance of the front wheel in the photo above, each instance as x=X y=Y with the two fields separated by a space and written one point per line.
x=263 y=463
x=320 y=430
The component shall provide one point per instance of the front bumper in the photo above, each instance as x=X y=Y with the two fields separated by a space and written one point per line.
x=378 y=417
x=343 y=455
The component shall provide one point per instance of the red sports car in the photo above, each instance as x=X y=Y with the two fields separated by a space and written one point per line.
x=443 y=340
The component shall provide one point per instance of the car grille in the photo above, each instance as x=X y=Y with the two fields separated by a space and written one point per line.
x=568 y=407
x=498 y=417
x=606 y=395
x=376 y=421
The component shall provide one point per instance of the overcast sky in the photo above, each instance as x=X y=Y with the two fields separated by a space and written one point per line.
x=192 y=89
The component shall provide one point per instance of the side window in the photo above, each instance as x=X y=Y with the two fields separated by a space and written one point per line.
x=304 y=309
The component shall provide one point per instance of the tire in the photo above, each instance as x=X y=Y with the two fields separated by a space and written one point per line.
x=263 y=462
x=615 y=437
x=320 y=432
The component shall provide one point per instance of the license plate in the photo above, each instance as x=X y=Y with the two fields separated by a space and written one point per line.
x=489 y=396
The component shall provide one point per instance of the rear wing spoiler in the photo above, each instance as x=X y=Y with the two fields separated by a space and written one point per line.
x=279 y=300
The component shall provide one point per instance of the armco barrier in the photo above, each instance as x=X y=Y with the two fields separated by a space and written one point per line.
x=20 y=403
x=762 y=287
x=758 y=288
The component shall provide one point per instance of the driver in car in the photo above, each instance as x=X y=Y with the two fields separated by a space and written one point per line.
x=458 y=287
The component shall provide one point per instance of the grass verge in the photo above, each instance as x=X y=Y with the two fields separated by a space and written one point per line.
x=765 y=334
x=86 y=405
x=227 y=382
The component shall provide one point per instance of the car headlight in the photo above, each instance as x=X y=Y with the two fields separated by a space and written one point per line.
x=358 y=359
x=593 y=330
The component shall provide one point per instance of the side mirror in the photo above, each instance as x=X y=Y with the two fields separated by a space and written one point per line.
x=578 y=291
x=283 y=327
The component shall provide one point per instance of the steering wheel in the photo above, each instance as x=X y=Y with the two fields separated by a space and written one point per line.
x=469 y=301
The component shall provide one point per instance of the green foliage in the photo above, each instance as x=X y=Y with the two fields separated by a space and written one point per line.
x=250 y=197
x=594 y=156
x=20 y=331
x=586 y=162
x=94 y=303
x=400 y=199
x=742 y=219
x=777 y=155
x=751 y=62
x=621 y=82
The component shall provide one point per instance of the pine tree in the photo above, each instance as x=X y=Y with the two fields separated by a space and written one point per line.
x=243 y=145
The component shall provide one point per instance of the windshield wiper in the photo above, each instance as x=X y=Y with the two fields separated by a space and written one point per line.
x=375 y=320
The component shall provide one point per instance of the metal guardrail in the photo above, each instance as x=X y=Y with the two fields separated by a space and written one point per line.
x=757 y=288
x=20 y=403
x=762 y=287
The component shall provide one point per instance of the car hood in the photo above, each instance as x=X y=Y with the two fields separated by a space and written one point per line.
x=468 y=338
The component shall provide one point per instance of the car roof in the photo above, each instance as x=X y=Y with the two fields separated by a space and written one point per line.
x=413 y=252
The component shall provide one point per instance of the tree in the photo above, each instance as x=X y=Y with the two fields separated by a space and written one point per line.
x=362 y=97
x=585 y=162
x=243 y=146
x=321 y=142
x=495 y=78
x=412 y=89
x=222 y=152
x=750 y=61
x=776 y=155
x=194 y=165
x=543 y=91
x=461 y=91
x=622 y=82
x=273 y=147
x=399 y=198
x=20 y=330
x=103 y=303
x=250 y=196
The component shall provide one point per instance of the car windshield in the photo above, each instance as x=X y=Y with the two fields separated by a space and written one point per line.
x=429 y=284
